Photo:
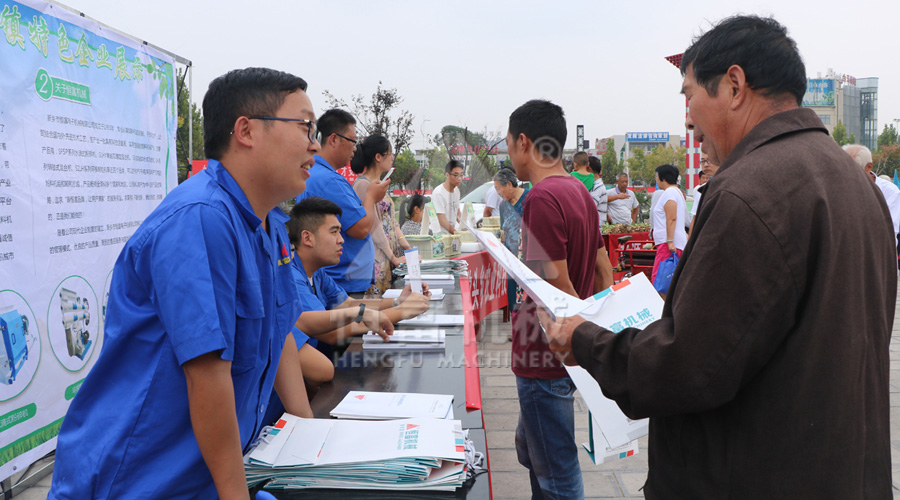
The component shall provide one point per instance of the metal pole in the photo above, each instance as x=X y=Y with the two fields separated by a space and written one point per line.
x=190 y=90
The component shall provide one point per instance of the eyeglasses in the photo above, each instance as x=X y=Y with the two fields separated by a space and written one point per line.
x=704 y=161
x=310 y=124
x=455 y=175
x=354 y=141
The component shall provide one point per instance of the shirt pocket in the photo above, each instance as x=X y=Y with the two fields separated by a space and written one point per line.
x=249 y=312
x=286 y=301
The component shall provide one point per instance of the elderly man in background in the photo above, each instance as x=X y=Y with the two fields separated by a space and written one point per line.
x=622 y=205
x=767 y=375
x=863 y=157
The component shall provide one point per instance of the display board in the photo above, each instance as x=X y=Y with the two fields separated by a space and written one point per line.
x=87 y=151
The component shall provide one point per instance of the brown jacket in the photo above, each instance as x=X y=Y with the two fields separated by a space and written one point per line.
x=767 y=376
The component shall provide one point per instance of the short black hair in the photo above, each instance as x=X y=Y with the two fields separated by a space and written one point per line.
x=759 y=45
x=453 y=164
x=242 y=92
x=595 y=164
x=668 y=173
x=334 y=121
x=308 y=215
x=544 y=123
x=580 y=158
x=365 y=153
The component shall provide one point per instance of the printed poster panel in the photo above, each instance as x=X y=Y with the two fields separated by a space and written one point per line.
x=87 y=151
x=819 y=92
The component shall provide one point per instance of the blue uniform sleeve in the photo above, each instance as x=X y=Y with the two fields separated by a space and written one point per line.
x=190 y=262
x=332 y=293
x=351 y=205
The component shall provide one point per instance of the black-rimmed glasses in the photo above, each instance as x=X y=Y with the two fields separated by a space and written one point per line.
x=310 y=124
x=354 y=141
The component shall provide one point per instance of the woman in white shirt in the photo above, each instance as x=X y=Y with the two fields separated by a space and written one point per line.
x=668 y=216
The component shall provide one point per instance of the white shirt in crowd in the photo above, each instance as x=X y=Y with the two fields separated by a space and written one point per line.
x=892 y=197
x=658 y=216
x=492 y=199
x=446 y=203
x=697 y=195
x=620 y=210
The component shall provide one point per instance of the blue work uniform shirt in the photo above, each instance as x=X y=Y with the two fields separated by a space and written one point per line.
x=199 y=275
x=355 y=271
x=330 y=295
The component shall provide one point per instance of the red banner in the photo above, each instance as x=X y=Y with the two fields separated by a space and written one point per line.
x=483 y=292
x=487 y=281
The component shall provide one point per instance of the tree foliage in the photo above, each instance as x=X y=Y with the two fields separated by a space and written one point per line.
x=181 y=136
x=886 y=160
x=888 y=137
x=642 y=165
x=839 y=134
x=405 y=167
x=381 y=114
x=610 y=167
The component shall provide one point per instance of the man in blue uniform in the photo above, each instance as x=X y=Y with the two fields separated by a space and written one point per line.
x=356 y=268
x=200 y=309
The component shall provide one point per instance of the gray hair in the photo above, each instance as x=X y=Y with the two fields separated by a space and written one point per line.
x=622 y=174
x=859 y=153
x=506 y=176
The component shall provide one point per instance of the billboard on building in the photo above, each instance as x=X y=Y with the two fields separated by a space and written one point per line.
x=647 y=137
x=819 y=92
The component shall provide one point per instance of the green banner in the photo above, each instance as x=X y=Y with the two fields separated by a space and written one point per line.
x=29 y=442
x=72 y=390
x=17 y=416
x=48 y=87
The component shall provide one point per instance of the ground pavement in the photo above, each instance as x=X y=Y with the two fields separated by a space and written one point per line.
x=618 y=479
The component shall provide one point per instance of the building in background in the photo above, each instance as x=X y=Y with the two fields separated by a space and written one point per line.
x=844 y=98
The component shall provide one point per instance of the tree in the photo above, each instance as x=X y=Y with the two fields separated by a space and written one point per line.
x=181 y=136
x=405 y=167
x=610 y=167
x=888 y=137
x=381 y=115
x=839 y=134
x=637 y=168
x=886 y=160
x=477 y=148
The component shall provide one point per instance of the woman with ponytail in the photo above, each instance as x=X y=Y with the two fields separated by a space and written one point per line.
x=372 y=159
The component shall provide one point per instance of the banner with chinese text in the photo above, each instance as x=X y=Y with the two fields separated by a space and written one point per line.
x=87 y=151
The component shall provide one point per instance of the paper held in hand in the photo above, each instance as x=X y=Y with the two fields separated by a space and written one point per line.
x=414 y=274
x=632 y=303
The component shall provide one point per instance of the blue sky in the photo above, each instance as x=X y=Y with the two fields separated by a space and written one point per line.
x=471 y=63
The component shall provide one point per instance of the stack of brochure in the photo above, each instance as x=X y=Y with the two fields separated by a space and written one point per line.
x=429 y=319
x=417 y=454
x=364 y=405
x=394 y=293
x=452 y=267
x=406 y=340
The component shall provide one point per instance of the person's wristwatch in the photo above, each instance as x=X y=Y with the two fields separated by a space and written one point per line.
x=359 y=317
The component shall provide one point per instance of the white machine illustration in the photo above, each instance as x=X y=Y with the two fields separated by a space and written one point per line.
x=76 y=316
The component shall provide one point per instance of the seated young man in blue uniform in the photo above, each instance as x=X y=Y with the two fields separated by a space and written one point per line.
x=200 y=312
x=315 y=231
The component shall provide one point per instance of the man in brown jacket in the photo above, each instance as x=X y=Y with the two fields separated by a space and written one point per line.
x=782 y=390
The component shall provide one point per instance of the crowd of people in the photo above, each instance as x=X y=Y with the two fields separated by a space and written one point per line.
x=224 y=310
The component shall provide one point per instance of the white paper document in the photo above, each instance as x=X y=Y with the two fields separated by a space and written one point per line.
x=414 y=273
x=366 y=405
x=407 y=336
x=434 y=320
x=551 y=299
x=416 y=453
x=394 y=293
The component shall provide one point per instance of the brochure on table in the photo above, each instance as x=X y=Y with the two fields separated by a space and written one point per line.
x=427 y=319
x=437 y=294
x=406 y=336
x=366 y=405
x=632 y=303
x=424 y=453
